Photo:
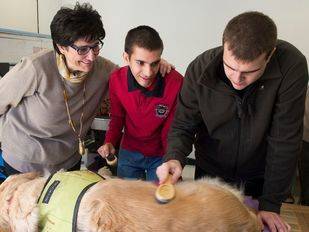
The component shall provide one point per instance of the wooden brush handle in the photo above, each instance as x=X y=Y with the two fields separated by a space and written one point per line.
x=168 y=179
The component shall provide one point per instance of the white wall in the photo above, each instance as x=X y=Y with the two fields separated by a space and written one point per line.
x=47 y=9
x=189 y=27
x=18 y=15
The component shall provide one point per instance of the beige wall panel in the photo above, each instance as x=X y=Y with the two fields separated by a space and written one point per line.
x=19 y=15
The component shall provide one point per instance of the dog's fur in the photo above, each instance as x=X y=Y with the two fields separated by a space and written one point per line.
x=123 y=205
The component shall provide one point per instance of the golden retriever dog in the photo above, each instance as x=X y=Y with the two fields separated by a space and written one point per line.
x=127 y=205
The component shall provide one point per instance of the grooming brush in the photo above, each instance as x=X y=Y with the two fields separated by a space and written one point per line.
x=111 y=160
x=165 y=191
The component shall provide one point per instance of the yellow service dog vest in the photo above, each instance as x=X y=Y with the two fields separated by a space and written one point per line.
x=60 y=199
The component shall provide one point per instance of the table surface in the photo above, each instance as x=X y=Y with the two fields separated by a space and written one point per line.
x=297 y=216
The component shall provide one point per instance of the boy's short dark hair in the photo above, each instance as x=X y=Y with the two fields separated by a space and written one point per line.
x=69 y=25
x=144 y=37
x=249 y=35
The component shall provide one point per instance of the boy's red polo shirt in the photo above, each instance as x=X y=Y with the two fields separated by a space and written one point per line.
x=145 y=115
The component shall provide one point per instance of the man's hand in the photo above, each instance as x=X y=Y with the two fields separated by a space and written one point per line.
x=165 y=67
x=273 y=221
x=106 y=149
x=170 y=167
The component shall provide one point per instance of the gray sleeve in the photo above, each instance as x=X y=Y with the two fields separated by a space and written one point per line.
x=19 y=82
x=109 y=66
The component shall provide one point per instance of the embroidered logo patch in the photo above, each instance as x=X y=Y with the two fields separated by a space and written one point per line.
x=161 y=111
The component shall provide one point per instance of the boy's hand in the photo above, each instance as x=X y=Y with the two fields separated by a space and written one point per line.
x=106 y=149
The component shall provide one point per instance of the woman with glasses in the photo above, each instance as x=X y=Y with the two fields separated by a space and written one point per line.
x=49 y=100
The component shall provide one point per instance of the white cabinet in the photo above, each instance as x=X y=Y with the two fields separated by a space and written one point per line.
x=28 y=15
x=24 y=27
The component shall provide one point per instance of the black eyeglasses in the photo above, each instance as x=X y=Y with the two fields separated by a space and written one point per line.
x=83 y=50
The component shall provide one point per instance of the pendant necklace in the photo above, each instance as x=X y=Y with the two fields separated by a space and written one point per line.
x=81 y=144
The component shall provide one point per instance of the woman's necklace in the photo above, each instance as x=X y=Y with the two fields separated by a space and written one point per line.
x=81 y=144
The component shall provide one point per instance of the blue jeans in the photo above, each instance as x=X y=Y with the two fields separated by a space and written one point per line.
x=134 y=165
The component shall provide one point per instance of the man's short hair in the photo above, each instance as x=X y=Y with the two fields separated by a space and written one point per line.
x=144 y=37
x=70 y=25
x=249 y=35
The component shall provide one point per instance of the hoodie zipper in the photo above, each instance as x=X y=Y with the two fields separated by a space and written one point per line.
x=241 y=116
x=239 y=103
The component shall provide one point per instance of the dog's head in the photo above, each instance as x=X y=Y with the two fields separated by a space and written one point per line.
x=18 y=196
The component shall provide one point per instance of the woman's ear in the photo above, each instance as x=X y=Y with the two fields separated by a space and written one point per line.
x=62 y=49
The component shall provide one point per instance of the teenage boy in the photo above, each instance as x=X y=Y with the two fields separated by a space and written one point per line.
x=142 y=106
